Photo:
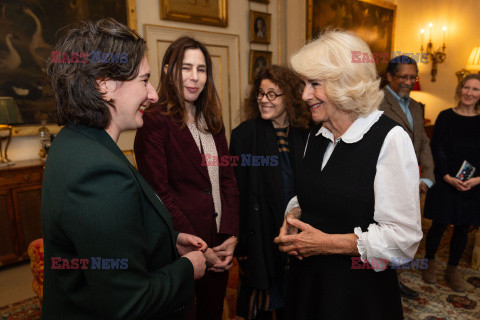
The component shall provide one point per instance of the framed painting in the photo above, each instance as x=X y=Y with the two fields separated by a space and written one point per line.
x=259 y=27
x=210 y=12
x=371 y=20
x=258 y=61
x=261 y=1
x=28 y=31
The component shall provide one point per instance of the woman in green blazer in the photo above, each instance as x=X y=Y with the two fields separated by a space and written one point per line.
x=110 y=251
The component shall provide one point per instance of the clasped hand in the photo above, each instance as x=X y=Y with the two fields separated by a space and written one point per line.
x=462 y=185
x=220 y=258
x=192 y=248
x=217 y=259
x=308 y=242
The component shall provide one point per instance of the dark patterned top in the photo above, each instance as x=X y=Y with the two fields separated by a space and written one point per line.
x=282 y=135
x=285 y=166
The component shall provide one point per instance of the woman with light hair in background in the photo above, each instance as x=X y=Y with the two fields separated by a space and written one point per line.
x=357 y=188
x=454 y=199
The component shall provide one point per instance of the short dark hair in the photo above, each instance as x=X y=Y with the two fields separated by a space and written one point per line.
x=171 y=96
x=292 y=87
x=394 y=64
x=75 y=84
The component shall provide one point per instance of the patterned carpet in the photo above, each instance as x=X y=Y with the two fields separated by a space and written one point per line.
x=23 y=310
x=438 y=302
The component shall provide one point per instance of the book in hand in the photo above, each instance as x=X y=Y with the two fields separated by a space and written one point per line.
x=466 y=171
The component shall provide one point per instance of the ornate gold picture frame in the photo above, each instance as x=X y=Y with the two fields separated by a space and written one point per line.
x=260 y=23
x=258 y=60
x=372 y=20
x=209 y=12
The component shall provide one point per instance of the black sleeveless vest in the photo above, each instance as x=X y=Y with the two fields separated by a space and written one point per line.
x=341 y=196
x=336 y=200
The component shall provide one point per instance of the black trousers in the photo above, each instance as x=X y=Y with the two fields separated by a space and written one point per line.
x=457 y=243
x=211 y=289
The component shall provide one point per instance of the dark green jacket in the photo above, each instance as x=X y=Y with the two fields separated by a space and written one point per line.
x=96 y=205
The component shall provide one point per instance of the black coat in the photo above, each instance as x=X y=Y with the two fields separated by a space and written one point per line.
x=262 y=203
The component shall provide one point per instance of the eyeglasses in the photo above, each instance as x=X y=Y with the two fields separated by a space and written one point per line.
x=405 y=78
x=270 y=95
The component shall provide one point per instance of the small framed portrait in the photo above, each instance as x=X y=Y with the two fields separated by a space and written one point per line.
x=261 y=1
x=259 y=27
x=258 y=61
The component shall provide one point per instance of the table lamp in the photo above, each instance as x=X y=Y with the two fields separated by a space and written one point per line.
x=473 y=64
x=9 y=114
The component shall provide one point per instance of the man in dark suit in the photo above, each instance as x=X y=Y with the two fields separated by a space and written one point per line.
x=110 y=251
x=402 y=73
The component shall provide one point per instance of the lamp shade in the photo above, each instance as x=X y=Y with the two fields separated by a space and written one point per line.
x=473 y=63
x=9 y=113
x=416 y=86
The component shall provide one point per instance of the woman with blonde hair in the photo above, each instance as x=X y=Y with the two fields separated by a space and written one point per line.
x=357 y=191
x=454 y=199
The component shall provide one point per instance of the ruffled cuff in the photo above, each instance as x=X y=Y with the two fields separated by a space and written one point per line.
x=377 y=264
x=362 y=243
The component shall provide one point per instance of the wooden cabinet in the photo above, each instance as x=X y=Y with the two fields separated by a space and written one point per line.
x=20 y=223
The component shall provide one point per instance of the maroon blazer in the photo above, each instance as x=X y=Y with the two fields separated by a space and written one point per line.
x=169 y=159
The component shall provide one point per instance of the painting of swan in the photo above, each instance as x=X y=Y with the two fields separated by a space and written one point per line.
x=9 y=60
x=28 y=31
x=39 y=50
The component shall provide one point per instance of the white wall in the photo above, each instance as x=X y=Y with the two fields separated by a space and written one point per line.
x=148 y=12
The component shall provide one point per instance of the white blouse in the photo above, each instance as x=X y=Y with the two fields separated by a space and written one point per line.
x=397 y=230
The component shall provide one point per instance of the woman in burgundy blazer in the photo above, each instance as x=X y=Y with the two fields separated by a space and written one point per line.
x=171 y=149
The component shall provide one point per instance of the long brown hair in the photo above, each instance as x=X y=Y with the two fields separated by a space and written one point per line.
x=461 y=84
x=291 y=85
x=171 y=80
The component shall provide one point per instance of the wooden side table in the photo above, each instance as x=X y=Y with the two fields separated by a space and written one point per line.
x=20 y=196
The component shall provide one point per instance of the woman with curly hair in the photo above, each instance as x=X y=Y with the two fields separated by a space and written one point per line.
x=274 y=133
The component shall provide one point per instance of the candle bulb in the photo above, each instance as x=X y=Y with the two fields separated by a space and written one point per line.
x=444 y=32
x=430 y=31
